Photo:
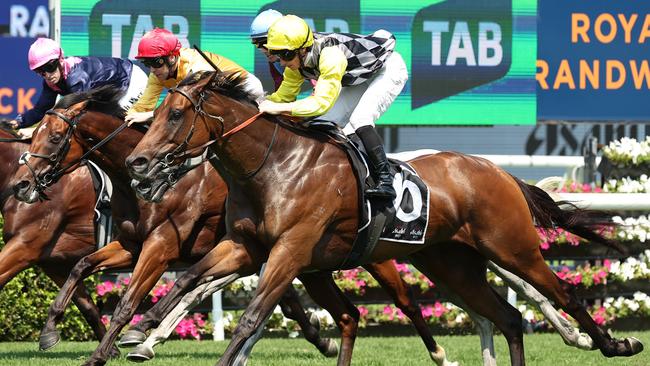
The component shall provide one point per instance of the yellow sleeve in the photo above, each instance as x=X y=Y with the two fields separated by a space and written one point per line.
x=289 y=88
x=149 y=98
x=331 y=64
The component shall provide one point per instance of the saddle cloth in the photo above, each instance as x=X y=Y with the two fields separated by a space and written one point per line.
x=103 y=218
x=404 y=220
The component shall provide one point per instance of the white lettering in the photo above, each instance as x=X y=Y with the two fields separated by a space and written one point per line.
x=142 y=26
x=40 y=23
x=183 y=28
x=436 y=29
x=485 y=44
x=116 y=21
x=461 y=46
x=19 y=16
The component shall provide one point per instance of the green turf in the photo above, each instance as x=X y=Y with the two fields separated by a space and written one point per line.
x=542 y=349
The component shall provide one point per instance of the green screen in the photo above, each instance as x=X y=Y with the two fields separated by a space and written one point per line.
x=471 y=62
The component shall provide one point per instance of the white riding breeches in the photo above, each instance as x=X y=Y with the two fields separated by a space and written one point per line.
x=363 y=104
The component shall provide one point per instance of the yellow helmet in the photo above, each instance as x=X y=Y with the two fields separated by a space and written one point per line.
x=289 y=33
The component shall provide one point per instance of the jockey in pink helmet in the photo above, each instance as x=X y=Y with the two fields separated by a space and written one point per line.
x=62 y=76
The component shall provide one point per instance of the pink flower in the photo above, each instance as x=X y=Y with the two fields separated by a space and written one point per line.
x=104 y=288
x=402 y=267
x=600 y=277
x=438 y=309
x=400 y=314
x=363 y=311
x=136 y=319
x=126 y=281
x=199 y=319
x=607 y=264
x=388 y=310
x=105 y=320
x=187 y=327
x=427 y=311
x=544 y=245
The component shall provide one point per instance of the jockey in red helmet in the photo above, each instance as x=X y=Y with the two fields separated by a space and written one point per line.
x=169 y=62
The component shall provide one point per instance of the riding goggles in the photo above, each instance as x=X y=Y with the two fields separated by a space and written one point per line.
x=156 y=62
x=288 y=55
x=48 y=68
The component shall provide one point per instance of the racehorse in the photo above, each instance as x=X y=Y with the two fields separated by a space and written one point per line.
x=295 y=194
x=156 y=234
x=53 y=234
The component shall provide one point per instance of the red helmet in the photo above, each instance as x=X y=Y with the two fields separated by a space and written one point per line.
x=158 y=43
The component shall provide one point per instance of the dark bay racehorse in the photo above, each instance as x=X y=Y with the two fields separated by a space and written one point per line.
x=156 y=234
x=295 y=194
x=53 y=234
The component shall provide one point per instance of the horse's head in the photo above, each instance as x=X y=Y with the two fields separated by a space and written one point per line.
x=57 y=145
x=194 y=113
x=52 y=149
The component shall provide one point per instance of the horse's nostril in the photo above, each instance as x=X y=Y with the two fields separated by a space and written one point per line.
x=21 y=186
x=138 y=164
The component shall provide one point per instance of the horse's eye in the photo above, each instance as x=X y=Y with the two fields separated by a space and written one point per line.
x=175 y=114
x=55 y=139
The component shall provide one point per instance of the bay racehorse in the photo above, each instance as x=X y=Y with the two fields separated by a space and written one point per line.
x=153 y=235
x=52 y=234
x=295 y=194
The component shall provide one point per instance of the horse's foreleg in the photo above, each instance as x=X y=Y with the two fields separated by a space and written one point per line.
x=112 y=255
x=281 y=269
x=164 y=328
x=386 y=274
x=570 y=334
x=152 y=263
x=15 y=257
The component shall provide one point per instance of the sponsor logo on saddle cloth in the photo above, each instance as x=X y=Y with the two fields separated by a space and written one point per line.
x=407 y=220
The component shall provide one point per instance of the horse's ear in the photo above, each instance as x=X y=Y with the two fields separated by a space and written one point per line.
x=75 y=109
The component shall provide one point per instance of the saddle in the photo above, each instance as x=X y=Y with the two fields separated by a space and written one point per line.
x=403 y=220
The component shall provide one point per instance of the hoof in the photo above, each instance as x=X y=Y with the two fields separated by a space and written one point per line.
x=634 y=345
x=48 y=340
x=132 y=338
x=114 y=352
x=331 y=348
x=314 y=321
x=141 y=353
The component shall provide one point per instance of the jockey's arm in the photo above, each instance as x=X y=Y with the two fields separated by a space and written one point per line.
x=332 y=64
x=142 y=110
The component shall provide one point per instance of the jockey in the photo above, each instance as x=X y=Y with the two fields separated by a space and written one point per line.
x=358 y=77
x=62 y=76
x=161 y=51
x=259 y=30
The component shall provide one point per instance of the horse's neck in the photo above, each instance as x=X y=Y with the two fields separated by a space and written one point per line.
x=111 y=156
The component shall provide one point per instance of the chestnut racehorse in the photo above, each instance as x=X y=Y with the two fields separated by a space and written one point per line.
x=156 y=234
x=295 y=194
x=53 y=234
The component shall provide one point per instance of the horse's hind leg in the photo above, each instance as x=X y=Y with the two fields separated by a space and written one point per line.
x=322 y=288
x=386 y=274
x=462 y=270
x=569 y=333
x=112 y=255
x=524 y=258
x=293 y=309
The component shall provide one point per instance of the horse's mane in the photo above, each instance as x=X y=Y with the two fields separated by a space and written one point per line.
x=103 y=99
x=230 y=84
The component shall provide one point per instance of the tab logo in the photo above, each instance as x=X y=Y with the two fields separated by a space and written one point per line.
x=458 y=45
x=116 y=27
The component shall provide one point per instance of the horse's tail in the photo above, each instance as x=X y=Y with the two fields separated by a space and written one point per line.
x=585 y=223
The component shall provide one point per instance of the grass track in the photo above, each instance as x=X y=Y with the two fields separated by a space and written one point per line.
x=541 y=349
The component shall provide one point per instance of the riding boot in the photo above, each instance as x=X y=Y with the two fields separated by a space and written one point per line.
x=375 y=150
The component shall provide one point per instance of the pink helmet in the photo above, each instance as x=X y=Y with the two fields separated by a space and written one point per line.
x=158 y=43
x=42 y=51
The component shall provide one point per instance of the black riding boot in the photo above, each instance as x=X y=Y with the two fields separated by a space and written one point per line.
x=375 y=150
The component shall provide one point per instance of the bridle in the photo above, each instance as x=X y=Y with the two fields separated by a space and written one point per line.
x=45 y=180
x=181 y=151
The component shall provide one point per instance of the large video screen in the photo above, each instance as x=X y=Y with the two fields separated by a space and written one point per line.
x=471 y=62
